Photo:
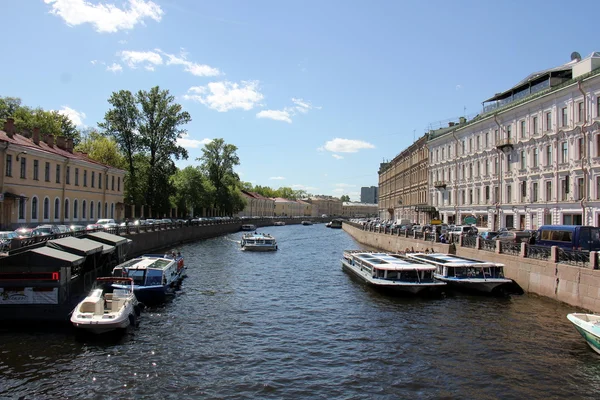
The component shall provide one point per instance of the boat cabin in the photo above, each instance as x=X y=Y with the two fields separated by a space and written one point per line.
x=458 y=267
x=147 y=271
x=391 y=266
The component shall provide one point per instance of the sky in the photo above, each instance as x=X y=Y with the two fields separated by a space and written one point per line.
x=314 y=94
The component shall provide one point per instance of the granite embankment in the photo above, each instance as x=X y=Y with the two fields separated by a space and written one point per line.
x=575 y=285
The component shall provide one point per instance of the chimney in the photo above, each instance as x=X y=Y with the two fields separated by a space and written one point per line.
x=70 y=145
x=60 y=142
x=36 y=136
x=9 y=127
x=462 y=120
x=50 y=140
x=450 y=124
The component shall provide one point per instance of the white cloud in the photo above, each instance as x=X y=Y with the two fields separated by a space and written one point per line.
x=344 y=185
x=302 y=106
x=105 y=17
x=337 y=156
x=338 y=145
x=277 y=115
x=192 y=67
x=191 y=143
x=224 y=96
x=145 y=58
x=303 y=187
x=123 y=41
x=277 y=178
x=75 y=116
x=114 y=68
x=458 y=87
x=93 y=62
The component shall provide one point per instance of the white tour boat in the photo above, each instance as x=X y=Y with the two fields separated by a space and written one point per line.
x=588 y=326
x=258 y=242
x=306 y=222
x=392 y=272
x=107 y=308
x=248 y=227
x=279 y=223
x=466 y=274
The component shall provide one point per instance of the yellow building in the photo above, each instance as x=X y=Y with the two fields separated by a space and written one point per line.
x=43 y=181
x=306 y=208
x=325 y=205
x=287 y=208
x=359 y=210
x=257 y=205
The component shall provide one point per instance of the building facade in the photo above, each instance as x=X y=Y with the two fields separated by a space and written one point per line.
x=325 y=205
x=257 y=205
x=44 y=181
x=288 y=208
x=359 y=210
x=403 y=185
x=369 y=195
x=306 y=208
x=532 y=157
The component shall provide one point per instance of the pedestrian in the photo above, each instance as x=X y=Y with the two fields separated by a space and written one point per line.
x=531 y=240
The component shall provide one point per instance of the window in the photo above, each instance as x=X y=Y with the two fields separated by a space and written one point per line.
x=534 y=192
x=34 y=208
x=598 y=188
x=598 y=106
x=66 y=209
x=523 y=133
x=523 y=191
x=580 y=112
x=580 y=148
x=91 y=210
x=534 y=125
x=487 y=194
x=46 y=208
x=508 y=193
x=112 y=210
x=564 y=117
x=83 y=209
x=105 y=210
x=99 y=185
x=478 y=169
x=477 y=196
x=470 y=196
x=470 y=170
x=508 y=161
x=36 y=170
x=68 y=175
x=8 y=165
x=113 y=183
x=47 y=172
x=548 y=190
x=580 y=188
x=23 y=167
x=56 y=209
x=21 y=207
x=487 y=166
x=478 y=143
x=106 y=185
x=564 y=188
x=85 y=178
x=57 y=173
x=564 y=152
x=119 y=178
x=75 y=209
x=496 y=136
x=548 y=155
x=76 y=179
x=572 y=219
x=463 y=147
x=99 y=210
x=535 y=157
x=487 y=139
x=496 y=166
x=509 y=131
x=549 y=120
x=523 y=159
x=93 y=180
x=470 y=145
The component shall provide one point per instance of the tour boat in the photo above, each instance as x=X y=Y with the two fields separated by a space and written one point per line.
x=258 y=242
x=335 y=224
x=248 y=227
x=279 y=223
x=466 y=274
x=392 y=272
x=307 y=223
x=107 y=308
x=155 y=276
x=588 y=326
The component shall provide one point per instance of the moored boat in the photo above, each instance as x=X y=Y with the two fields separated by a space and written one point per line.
x=336 y=224
x=307 y=223
x=107 y=307
x=258 y=242
x=248 y=227
x=279 y=223
x=155 y=276
x=392 y=272
x=466 y=274
x=588 y=326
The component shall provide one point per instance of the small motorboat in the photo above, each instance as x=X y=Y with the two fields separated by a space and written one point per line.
x=107 y=308
x=588 y=326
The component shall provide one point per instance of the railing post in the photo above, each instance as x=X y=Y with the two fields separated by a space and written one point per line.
x=460 y=240
x=523 y=249
x=414 y=234
x=478 y=243
x=498 y=246
x=554 y=254
x=593 y=259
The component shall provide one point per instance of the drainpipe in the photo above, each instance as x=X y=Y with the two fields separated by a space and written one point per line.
x=499 y=199
x=2 y=174
x=455 y=180
x=585 y=157
x=64 y=188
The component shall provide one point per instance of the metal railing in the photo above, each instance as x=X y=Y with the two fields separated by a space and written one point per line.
x=469 y=241
x=538 y=252
x=487 y=245
x=573 y=257
x=510 y=248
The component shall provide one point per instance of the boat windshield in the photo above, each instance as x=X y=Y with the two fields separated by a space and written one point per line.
x=137 y=275
x=154 y=277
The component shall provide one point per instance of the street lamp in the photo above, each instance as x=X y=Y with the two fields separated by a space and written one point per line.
x=23 y=152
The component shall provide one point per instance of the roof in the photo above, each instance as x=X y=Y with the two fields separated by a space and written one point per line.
x=451 y=260
x=384 y=261
x=82 y=247
x=107 y=238
x=42 y=257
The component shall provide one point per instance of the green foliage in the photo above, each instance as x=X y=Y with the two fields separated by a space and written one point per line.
x=345 y=197
x=192 y=190
x=283 y=192
x=101 y=148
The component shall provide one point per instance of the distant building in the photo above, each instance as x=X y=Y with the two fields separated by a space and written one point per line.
x=306 y=208
x=369 y=194
x=288 y=208
x=257 y=205
x=359 y=210
x=325 y=205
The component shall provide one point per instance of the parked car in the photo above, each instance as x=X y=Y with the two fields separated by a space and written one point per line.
x=488 y=235
x=45 y=230
x=77 y=228
x=463 y=230
x=24 y=233
x=572 y=237
x=107 y=223
x=94 y=227
x=513 y=236
x=63 y=228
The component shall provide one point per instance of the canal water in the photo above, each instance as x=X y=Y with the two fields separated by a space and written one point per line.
x=292 y=325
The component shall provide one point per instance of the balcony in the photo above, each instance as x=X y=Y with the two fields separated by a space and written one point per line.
x=507 y=143
x=439 y=184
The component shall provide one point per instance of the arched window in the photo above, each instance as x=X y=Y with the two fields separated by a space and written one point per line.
x=21 y=207
x=99 y=211
x=34 y=208
x=106 y=207
x=56 y=209
x=46 y=208
x=83 y=209
x=91 y=210
x=75 y=208
x=66 y=209
x=112 y=210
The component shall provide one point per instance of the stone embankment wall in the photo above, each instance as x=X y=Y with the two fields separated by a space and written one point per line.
x=577 y=286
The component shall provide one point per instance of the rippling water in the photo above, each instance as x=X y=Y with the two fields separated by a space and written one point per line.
x=292 y=324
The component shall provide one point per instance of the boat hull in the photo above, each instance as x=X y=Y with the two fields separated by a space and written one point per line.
x=394 y=287
x=151 y=295
x=590 y=331
x=259 y=248
x=477 y=285
x=99 y=327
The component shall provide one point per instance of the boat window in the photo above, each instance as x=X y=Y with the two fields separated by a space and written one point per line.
x=137 y=275
x=154 y=277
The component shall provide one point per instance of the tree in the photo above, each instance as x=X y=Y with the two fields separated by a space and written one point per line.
x=345 y=197
x=101 y=148
x=218 y=160
x=191 y=189
x=121 y=123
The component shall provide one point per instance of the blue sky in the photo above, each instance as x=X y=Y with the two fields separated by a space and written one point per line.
x=315 y=94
